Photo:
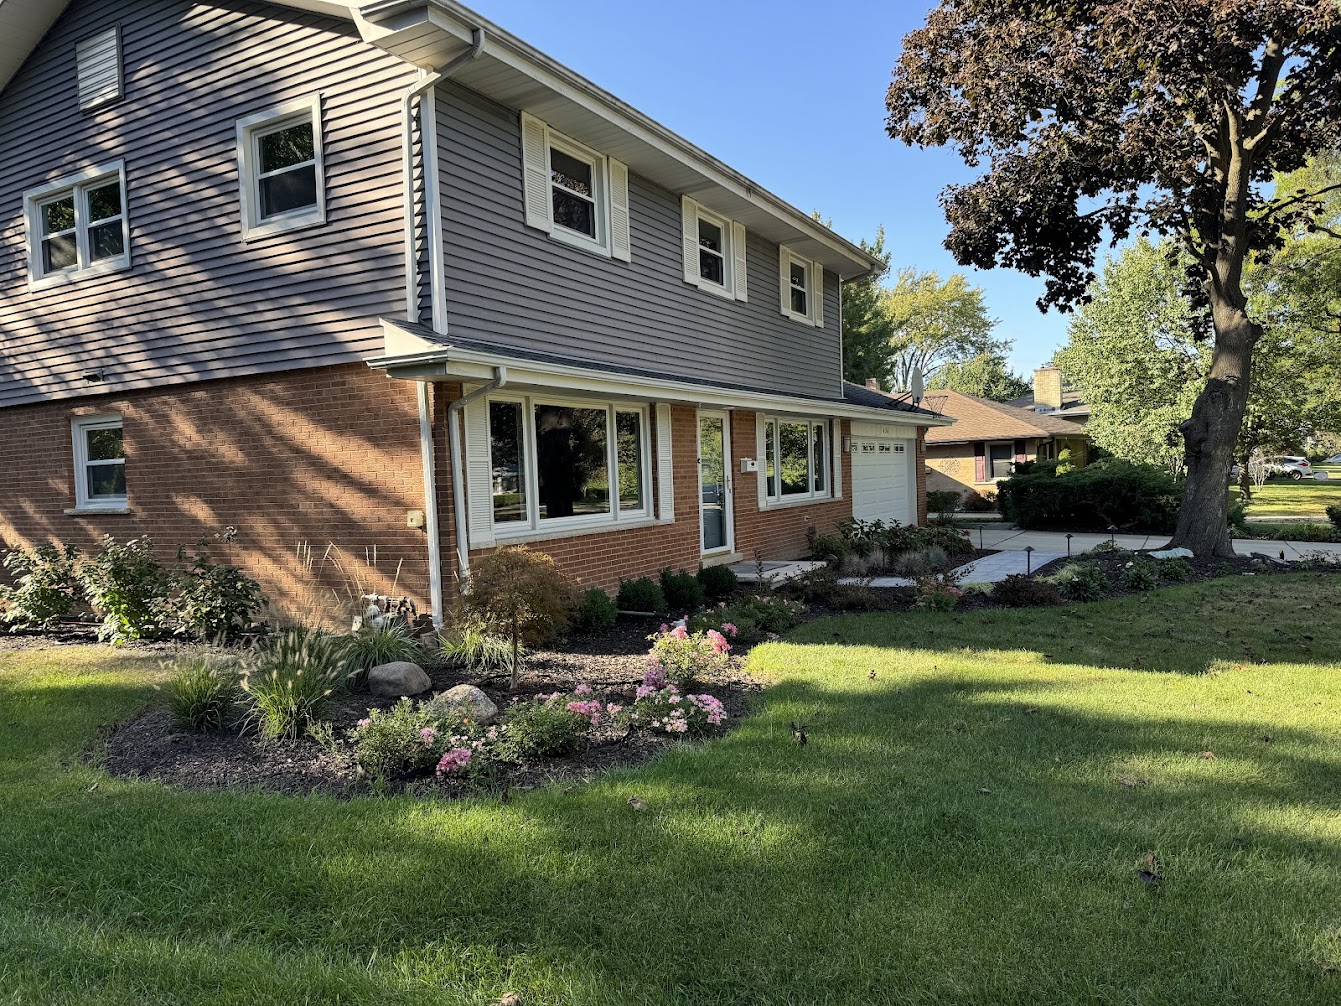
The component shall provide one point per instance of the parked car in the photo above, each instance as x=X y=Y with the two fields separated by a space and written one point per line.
x=1290 y=465
x=1335 y=459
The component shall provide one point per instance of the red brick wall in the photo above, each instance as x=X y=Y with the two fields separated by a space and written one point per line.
x=920 y=466
x=327 y=456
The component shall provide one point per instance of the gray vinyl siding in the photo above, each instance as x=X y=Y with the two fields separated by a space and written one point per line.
x=197 y=302
x=513 y=285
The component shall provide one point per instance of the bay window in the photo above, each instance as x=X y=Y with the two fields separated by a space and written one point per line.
x=556 y=463
x=796 y=459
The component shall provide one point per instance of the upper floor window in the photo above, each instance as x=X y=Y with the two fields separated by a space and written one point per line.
x=573 y=193
x=802 y=283
x=78 y=225
x=714 y=252
x=796 y=459
x=100 y=463
x=98 y=68
x=280 y=167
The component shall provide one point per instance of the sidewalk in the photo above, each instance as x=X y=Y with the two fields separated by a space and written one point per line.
x=1013 y=539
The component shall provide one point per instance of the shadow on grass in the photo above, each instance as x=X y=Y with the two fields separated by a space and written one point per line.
x=945 y=835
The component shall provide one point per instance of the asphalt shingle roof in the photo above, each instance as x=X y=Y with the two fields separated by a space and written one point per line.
x=981 y=419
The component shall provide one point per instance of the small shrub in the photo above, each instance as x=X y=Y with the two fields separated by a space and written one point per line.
x=596 y=613
x=401 y=740
x=1082 y=581
x=470 y=645
x=292 y=679
x=213 y=600
x=719 y=582
x=1020 y=591
x=816 y=586
x=1112 y=492
x=976 y=502
x=1175 y=569
x=830 y=548
x=1109 y=547
x=1140 y=574
x=665 y=709
x=912 y=565
x=860 y=565
x=685 y=658
x=1334 y=515
x=682 y=591
x=854 y=597
x=937 y=593
x=522 y=595
x=641 y=595
x=46 y=584
x=942 y=501
x=371 y=646
x=203 y=692
x=1224 y=569
x=128 y=585
x=541 y=728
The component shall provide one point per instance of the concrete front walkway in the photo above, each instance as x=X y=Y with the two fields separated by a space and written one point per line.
x=1013 y=539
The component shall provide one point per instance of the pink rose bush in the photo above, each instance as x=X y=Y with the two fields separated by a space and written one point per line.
x=666 y=710
x=683 y=658
x=455 y=762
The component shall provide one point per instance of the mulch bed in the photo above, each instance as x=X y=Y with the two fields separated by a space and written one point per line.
x=152 y=746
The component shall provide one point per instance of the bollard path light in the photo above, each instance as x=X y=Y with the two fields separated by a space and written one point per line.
x=1068 y=544
x=1028 y=559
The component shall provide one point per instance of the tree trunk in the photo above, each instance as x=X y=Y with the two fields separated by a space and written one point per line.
x=1210 y=436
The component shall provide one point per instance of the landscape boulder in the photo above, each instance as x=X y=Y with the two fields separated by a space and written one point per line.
x=465 y=702
x=398 y=679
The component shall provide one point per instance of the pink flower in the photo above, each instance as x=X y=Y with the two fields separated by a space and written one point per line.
x=665 y=627
x=644 y=691
x=655 y=677
x=427 y=733
x=590 y=709
x=730 y=629
x=613 y=710
x=680 y=632
x=364 y=723
x=454 y=762
x=582 y=689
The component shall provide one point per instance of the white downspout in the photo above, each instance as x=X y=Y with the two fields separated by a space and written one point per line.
x=408 y=100
x=458 y=465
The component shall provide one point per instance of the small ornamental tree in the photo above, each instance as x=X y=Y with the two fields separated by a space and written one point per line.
x=522 y=596
x=1096 y=120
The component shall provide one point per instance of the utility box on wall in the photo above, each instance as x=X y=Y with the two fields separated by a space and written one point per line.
x=748 y=465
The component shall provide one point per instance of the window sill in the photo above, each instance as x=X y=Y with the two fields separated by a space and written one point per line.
x=554 y=534
x=88 y=511
x=726 y=293
x=77 y=275
x=258 y=232
x=802 y=319
x=793 y=503
x=579 y=242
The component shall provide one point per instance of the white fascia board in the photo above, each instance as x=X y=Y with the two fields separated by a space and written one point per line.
x=410 y=357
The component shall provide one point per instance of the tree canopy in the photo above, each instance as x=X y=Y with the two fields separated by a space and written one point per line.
x=1093 y=120
x=986 y=375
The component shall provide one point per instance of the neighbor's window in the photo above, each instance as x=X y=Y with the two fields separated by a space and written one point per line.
x=712 y=249
x=566 y=462
x=796 y=459
x=100 y=463
x=280 y=166
x=800 y=289
x=1001 y=460
x=572 y=179
x=78 y=225
x=802 y=283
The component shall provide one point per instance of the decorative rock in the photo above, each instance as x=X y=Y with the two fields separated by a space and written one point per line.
x=465 y=701
x=400 y=678
x=1172 y=553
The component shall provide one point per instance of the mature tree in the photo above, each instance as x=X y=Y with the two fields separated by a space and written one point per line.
x=935 y=322
x=986 y=375
x=1096 y=119
x=867 y=329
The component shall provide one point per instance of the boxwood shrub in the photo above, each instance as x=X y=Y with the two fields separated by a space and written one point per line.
x=1131 y=496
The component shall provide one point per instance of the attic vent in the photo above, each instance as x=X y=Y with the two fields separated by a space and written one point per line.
x=99 y=62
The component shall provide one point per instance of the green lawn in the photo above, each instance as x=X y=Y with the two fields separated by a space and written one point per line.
x=1305 y=498
x=965 y=827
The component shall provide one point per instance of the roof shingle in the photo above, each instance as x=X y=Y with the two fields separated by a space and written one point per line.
x=981 y=419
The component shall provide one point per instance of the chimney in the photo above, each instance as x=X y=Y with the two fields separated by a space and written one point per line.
x=1047 y=389
x=873 y=384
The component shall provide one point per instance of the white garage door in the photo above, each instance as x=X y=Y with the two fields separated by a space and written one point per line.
x=880 y=479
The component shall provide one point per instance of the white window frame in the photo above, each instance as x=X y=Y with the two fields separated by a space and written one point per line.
x=814 y=288
x=600 y=182
x=773 y=443
x=727 y=288
x=250 y=130
x=77 y=186
x=80 y=429
x=529 y=476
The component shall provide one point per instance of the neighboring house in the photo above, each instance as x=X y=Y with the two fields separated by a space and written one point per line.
x=1052 y=396
x=989 y=438
x=386 y=277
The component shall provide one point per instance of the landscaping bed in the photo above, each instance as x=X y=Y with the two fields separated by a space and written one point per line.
x=154 y=746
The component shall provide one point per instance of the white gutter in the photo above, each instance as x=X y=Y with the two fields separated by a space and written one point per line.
x=457 y=463
x=434 y=213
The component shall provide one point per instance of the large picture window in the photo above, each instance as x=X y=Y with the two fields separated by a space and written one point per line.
x=796 y=459
x=555 y=463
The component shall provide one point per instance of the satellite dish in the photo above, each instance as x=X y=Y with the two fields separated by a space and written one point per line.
x=918 y=386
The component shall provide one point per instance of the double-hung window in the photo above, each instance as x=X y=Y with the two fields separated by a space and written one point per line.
x=802 y=288
x=796 y=459
x=714 y=251
x=100 y=463
x=78 y=226
x=573 y=193
x=558 y=463
x=280 y=166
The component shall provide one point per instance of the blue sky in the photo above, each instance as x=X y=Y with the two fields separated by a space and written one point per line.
x=795 y=101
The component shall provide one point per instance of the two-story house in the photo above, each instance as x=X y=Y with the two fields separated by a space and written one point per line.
x=383 y=276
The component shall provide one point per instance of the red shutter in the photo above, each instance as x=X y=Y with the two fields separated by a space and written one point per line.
x=979 y=462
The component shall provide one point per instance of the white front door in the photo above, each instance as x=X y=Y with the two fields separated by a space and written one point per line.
x=714 y=482
x=882 y=479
